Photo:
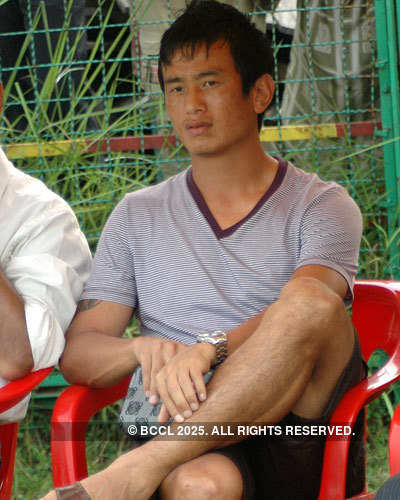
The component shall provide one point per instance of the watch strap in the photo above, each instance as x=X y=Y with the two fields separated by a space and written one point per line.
x=220 y=341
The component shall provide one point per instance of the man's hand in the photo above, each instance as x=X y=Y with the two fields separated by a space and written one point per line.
x=180 y=382
x=153 y=353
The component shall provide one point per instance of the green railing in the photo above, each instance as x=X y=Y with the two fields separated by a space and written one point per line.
x=388 y=60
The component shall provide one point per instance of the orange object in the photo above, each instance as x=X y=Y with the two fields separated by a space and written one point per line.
x=10 y=395
x=376 y=316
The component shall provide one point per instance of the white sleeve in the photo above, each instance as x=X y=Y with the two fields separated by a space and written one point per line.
x=48 y=268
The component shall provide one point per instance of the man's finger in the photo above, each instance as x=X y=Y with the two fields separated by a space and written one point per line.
x=176 y=394
x=199 y=385
x=146 y=372
x=163 y=416
x=172 y=396
x=186 y=382
x=157 y=363
x=164 y=395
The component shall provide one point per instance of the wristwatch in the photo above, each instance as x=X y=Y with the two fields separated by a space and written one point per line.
x=219 y=340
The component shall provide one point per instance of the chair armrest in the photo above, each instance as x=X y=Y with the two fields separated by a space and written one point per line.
x=333 y=479
x=72 y=412
x=15 y=391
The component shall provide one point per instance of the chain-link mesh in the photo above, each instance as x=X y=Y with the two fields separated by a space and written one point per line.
x=83 y=109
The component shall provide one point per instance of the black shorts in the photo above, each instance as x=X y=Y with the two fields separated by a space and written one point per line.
x=289 y=469
x=286 y=468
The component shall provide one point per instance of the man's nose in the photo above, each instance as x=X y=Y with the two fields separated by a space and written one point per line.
x=194 y=102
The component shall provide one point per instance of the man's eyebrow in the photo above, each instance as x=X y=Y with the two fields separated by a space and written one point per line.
x=175 y=79
x=207 y=73
x=178 y=79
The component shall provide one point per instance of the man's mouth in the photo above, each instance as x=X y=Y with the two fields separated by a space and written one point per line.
x=197 y=128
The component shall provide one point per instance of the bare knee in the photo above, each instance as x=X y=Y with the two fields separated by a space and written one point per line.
x=192 y=481
x=317 y=304
x=188 y=485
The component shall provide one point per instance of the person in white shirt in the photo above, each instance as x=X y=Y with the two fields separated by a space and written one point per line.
x=44 y=263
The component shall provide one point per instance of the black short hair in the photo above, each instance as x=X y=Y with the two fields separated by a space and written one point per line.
x=206 y=22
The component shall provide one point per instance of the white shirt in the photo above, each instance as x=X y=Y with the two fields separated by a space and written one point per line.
x=46 y=258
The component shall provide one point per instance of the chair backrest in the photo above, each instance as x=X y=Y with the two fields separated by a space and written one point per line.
x=376 y=317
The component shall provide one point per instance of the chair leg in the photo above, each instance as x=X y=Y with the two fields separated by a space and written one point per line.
x=8 y=446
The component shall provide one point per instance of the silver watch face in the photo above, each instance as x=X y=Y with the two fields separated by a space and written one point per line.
x=212 y=338
x=204 y=337
x=219 y=340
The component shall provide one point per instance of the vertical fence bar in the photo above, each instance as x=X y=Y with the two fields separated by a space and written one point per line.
x=394 y=83
x=397 y=9
x=389 y=92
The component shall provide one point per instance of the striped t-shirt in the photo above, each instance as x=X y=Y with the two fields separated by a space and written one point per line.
x=163 y=253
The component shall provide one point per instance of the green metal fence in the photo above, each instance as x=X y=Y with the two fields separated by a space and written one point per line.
x=388 y=64
x=83 y=110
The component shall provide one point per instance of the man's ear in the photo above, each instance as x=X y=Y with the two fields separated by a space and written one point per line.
x=262 y=92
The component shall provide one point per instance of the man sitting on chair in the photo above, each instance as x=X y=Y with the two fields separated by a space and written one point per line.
x=245 y=247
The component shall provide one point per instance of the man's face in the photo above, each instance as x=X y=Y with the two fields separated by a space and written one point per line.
x=205 y=102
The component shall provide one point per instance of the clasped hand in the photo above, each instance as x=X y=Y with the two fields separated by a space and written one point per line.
x=174 y=372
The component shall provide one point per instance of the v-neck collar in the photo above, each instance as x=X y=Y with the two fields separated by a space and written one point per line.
x=203 y=207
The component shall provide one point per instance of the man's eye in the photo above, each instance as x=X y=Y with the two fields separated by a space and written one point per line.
x=210 y=83
x=176 y=90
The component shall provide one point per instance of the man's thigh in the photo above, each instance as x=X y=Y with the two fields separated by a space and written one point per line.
x=339 y=350
x=290 y=467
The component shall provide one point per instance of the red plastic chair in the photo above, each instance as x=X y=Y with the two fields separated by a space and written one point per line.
x=394 y=443
x=376 y=315
x=10 y=395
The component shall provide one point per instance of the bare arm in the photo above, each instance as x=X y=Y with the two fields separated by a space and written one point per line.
x=15 y=353
x=96 y=355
